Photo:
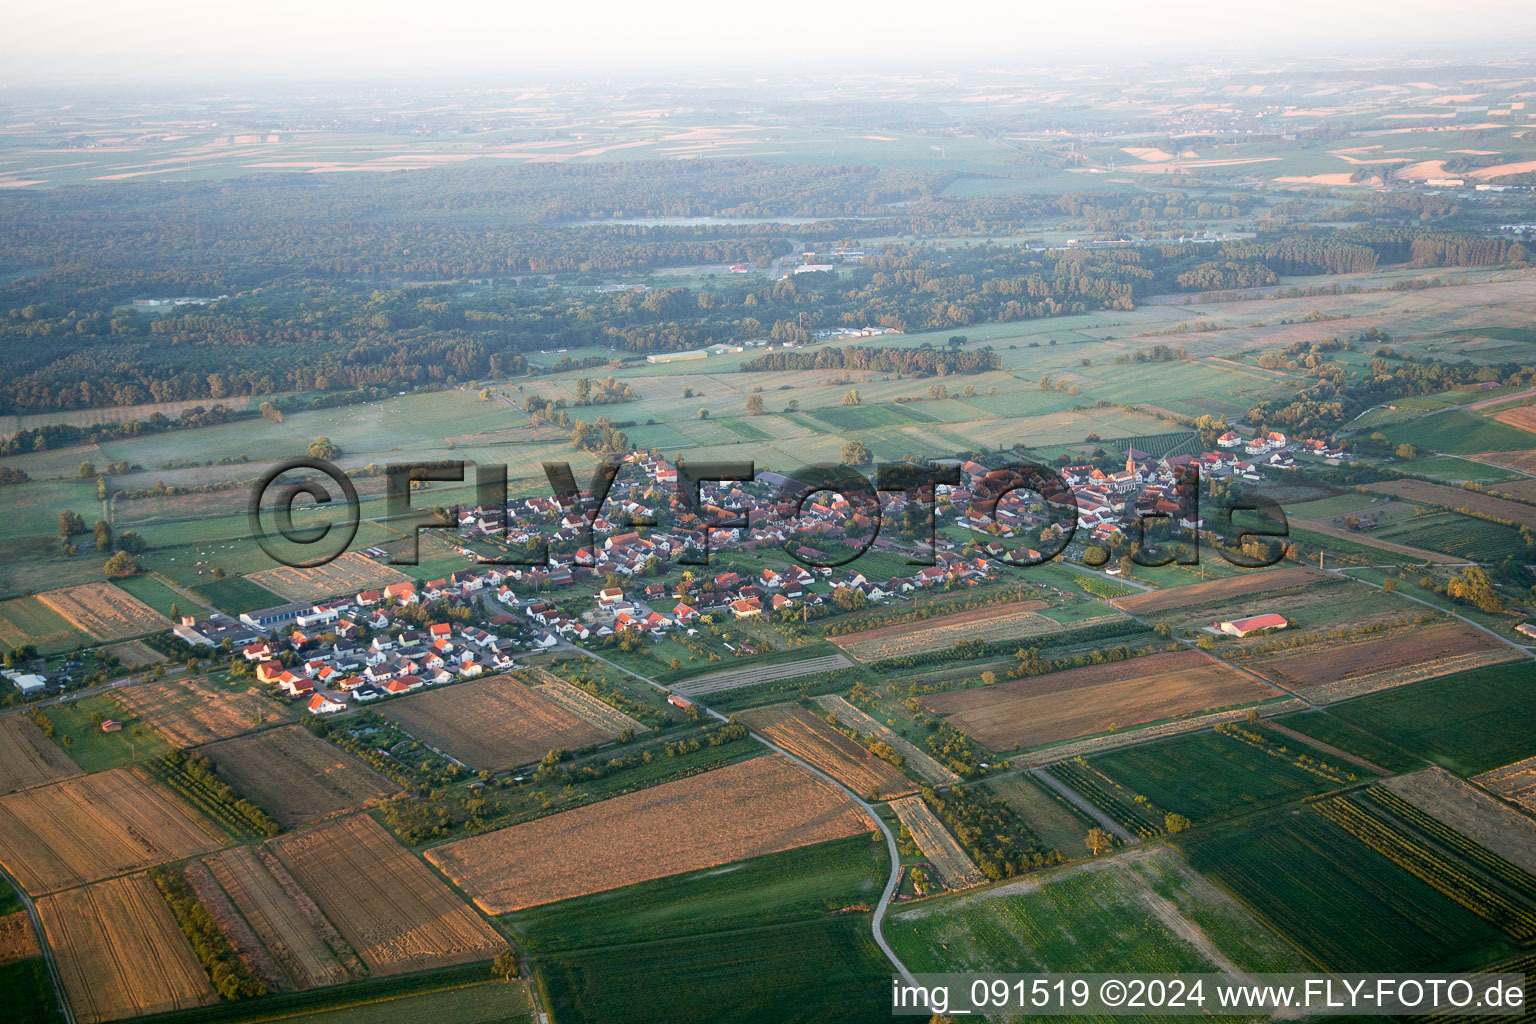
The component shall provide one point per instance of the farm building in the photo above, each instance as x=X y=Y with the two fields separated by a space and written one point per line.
x=111 y=725
x=672 y=357
x=1243 y=627
x=677 y=700
x=28 y=684
x=1526 y=629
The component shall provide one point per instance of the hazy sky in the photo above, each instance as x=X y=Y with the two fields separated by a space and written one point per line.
x=215 y=40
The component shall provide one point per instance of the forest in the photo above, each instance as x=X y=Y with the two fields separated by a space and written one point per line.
x=433 y=281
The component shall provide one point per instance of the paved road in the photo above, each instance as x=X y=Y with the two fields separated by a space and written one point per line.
x=42 y=944
x=890 y=840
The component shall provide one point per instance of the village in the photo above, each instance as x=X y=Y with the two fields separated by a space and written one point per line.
x=380 y=643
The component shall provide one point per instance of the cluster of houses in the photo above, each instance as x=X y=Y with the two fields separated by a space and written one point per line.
x=1275 y=450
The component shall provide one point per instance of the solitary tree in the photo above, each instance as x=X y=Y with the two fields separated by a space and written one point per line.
x=856 y=453
x=121 y=565
x=1099 y=842
x=505 y=966
x=323 y=447
x=754 y=404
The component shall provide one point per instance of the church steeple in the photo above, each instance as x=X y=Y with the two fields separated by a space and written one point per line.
x=1130 y=463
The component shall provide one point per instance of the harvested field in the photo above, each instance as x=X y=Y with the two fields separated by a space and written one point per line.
x=295 y=776
x=1064 y=705
x=389 y=906
x=91 y=827
x=1519 y=461
x=1514 y=782
x=743 y=810
x=491 y=723
x=953 y=864
x=192 y=711
x=216 y=901
x=996 y=622
x=918 y=760
x=815 y=742
x=349 y=574
x=104 y=611
x=294 y=943
x=135 y=654
x=17 y=940
x=597 y=713
x=27 y=757
x=1326 y=672
x=120 y=951
x=730 y=679
x=1471 y=812
x=1523 y=417
x=1219 y=590
x=1517 y=490
x=1455 y=497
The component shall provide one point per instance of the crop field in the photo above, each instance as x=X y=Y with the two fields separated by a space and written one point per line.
x=996 y=622
x=928 y=832
x=190 y=711
x=597 y=713
x=1215 y=591
x=1143 y=910
x=284 y=919
x=120 y=951
x=1462 y=722
x=1212 y=775
x=349 y=574
x=1326 y=672
x=1455 y=497
x=236 y=595
x=1451 y=800
x=296 y=776
x=1458 y=432
x=1514 y=782
x=152 y=592
x=104 y=611
x=26 y=620
x=392 y=909
x=135 y=654
x=1448 y=875
x=1062 y=705
x=919 y=761
x=812 y=740
x=27 y=757
x=730 y=679
x=1325 y=729
x=1346 y=906
x=763 y=934
x=492 y=723
x=1059 y=825
x=745 y=809
x=1132 y=811
x=90 y=827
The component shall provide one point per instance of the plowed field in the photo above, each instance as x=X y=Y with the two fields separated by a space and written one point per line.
x=492 y=723
x=815 y=742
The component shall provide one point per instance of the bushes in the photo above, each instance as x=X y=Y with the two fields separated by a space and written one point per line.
x=226 y=970
x=998 y=840
x=194 y=777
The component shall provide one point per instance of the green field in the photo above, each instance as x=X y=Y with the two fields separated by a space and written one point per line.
x=1464 y=722
x=1326 y=728
x=1207 y=775
x=26 y=620
x=761 y=940
x=1458 y=433
x=1463 y=536
x=237 y=594
x=1347 y=907
x=156 y=594
x=26 y=988
x=1094 y=917
x=94 y=750
x=866 y=417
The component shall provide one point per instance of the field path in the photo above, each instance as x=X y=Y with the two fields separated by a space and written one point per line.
x=890 y=839
x=1327 y=748
x=1083 y=805
x=65 y=1010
